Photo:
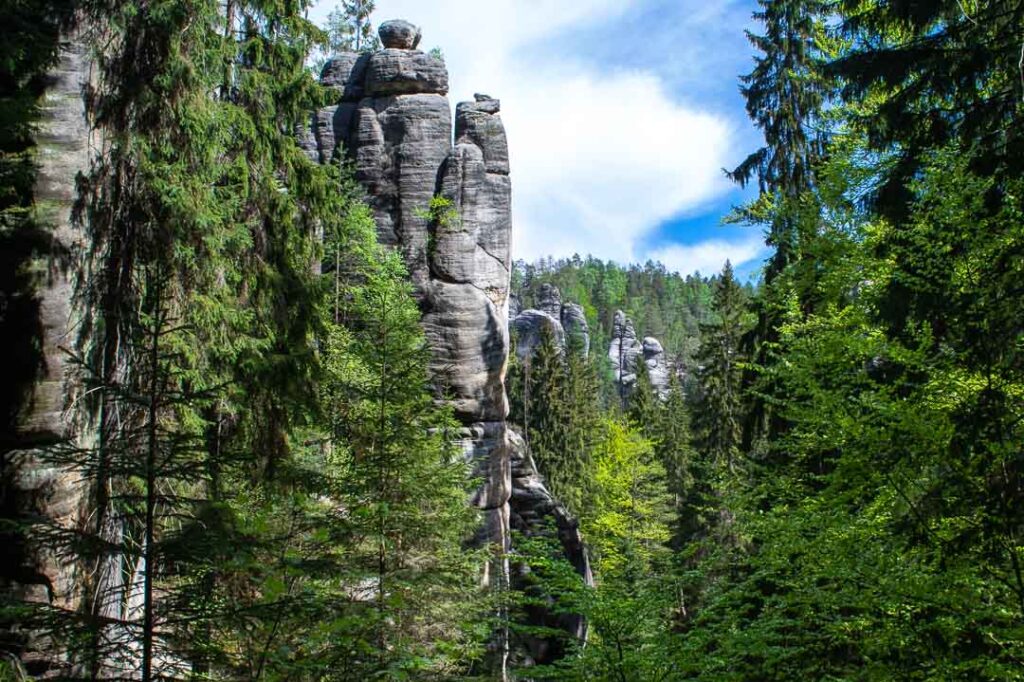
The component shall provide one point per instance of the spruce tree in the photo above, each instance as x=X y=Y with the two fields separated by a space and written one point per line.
x=404 y=484
x=719 y=374
x=785 y=96
x=643 y=404
x=199 y=302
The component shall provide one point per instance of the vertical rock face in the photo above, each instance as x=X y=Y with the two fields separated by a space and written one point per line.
x=393 y=119
x=626 y=351
x=35 y=325
x=574 y=322
x=658 y=368
x=549 y=300
x=529 y=328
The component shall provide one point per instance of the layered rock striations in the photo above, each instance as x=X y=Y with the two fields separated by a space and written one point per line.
x=394 y=121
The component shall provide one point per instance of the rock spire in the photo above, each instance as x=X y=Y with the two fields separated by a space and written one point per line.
x=393 y=120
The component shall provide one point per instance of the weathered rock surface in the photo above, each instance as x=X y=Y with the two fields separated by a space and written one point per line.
x=515 y=306
x=399 y=34
x=624 y=350
x=658 y=369
x=399 y=135
x=36 y=323
x=549 y=300
x=345 y=73
x=566 y=322
x=534 y=511
x=394 y=121
x=577 y=331
x=529 y=328
x=404 y=72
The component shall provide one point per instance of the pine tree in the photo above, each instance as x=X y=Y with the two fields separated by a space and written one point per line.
x=785 y=96
x=719 y=375
x=404 y=484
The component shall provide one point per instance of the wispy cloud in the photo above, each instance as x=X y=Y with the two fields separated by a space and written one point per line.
x=601 y=154
x=708 y=257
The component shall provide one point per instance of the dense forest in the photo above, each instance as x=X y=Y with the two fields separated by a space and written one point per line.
x=270 y=483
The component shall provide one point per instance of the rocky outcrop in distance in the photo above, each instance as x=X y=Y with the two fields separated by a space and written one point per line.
x=626 y=351
x=566 y=322
x=393 y=120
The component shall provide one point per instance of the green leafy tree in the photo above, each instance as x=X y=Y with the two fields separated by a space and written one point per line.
x=628 y=531
x=349 y=28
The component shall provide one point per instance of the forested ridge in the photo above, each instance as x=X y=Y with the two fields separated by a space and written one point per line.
x=259 y=474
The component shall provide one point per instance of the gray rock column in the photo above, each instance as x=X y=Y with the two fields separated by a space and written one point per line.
x=393 y=120
x=37 y=325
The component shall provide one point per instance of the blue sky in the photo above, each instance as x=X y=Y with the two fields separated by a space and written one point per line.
x=620 y=116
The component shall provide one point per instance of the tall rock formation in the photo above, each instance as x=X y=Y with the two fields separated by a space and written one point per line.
x=394 y=121
x=36 y=324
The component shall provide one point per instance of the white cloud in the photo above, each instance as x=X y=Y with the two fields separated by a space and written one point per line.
x=709 y=257
x=599 y=158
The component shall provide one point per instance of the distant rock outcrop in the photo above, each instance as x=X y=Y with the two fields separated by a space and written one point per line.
x=566 y=323
x=529 y=328
x=626 y=351
x=574 y=322
x=394 y=121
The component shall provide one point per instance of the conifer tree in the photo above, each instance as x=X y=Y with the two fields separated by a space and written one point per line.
x=785 y=96
x=403 y=482
x=643 y=405
x=719 y=375
x=560 y=413
x=198 y=300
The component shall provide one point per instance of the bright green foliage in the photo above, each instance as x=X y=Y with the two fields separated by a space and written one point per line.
x=628 y=527
x=879 y=537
